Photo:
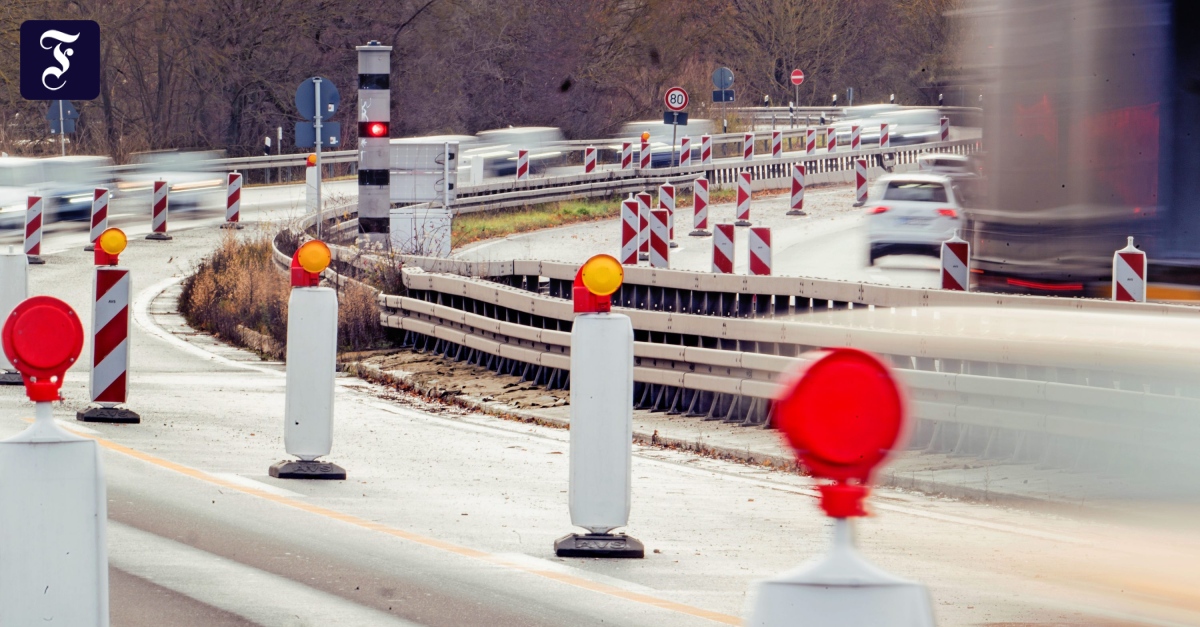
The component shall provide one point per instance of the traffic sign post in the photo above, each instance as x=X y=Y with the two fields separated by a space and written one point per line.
x=722 y=79
x=797 y=80
x=317 y=99
x=62 y=116
x=676 y=100
x=844 y=414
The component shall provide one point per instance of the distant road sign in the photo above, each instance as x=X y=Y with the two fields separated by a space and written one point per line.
x=676 y=99
x=722 y=95
x=330 y=132
x=677 y=118
x=67 y=117
x=306 y=98
x=722 y=78
x=797 y=77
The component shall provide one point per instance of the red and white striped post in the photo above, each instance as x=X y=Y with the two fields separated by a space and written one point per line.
x=685 y=151
x=831 y=139
x=760 y=250
x=860 y=182
x=643 y=200
x=522 y=165
x=108 y=380
x=945 y=125
x=626 y=155
x=589 y=159
x=1129 y=274
x=100 y=199
x=33 y=229
x=722 y=262
x=777 y=144
x=885 y=137
x=743 y=199
x=700 y=204
x=956 y=264
x=660 y=250
x=706 y=150
x=233 y=201
x=855 y=137
x=748 y=146
x=666 y=200
x=798 y=173
x=629 y=231
x=644 y=155
x=158 y=218
x=810 y=141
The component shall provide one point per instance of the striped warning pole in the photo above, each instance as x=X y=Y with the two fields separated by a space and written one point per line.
x=522 y=165
x=885 y=137
x=589 y=159
x=629 y=231
x=660 y=251
x=644 y=155
x=1129 y=274
x=685 y=151
x=797 y=190
x=743 y=199
x=956 y=264
x=777 y=144
x=158 y=220
x=643 y=200
x=760 y=250
x=700 y=204
x=860 y=182
x=100 y=199
x=831 y=139
x=855 y=137
x=810 y=141
x=233 y=201
x=109 y=377
x=626 y=155
x=722 y=248
x=706 y=150
x=748 y=146
x=945 y=124
x=33 y=229
x=666 y=200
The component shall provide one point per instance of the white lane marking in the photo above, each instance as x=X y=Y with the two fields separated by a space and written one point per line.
x=256 y=595
x=254 y=484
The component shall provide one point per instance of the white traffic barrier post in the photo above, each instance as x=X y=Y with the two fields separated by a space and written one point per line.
x=956 y=264
x=722 y=262
x=666 y=200
x=14 y=288
x=589 y=159
x=743 y=199
x=1129 y=274
x=311 y=173
x=643 y=200
x=831 y=139
x=759 y=243
x=601 y=462
x=158 y=208
x=810 y=141
x=626 y=155
x=798 y=173
x=860 y=182
x=476 y=171
x=33 y=229
x=311 y=367
x=945 y=128
x=522 y=165
x=53 y=553
x=108 y=379
x=843 y=414
x=644 y=154
x=885 y=136
x=700 y=207
x=629 y=231
x=233 y=201
x=748 y=147
x=660 y=251
x=706 y=150
x=685 y=151
x=99 y=222
x=855 y=137
x=777 y=144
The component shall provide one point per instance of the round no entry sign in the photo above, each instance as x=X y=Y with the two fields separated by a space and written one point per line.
x=676 y=99
x=797 y=77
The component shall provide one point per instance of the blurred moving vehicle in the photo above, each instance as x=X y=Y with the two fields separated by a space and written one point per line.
x=20 y=177
x=951 y=165
x=70 y=182
x=195 y=182
x=662 y=153
x=498 y=149
x=911 y=214
x=906 y=125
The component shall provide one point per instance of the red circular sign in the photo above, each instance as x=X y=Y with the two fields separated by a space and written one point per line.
x=43 y=337
x=676 y=99
x=797 y=77
x=843 y=415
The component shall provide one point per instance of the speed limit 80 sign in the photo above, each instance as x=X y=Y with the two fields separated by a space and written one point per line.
x=676 y=99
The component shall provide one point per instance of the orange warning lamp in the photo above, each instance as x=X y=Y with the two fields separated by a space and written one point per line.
x=309 y=262
x=312 y=160
x=109 y=245
x=42 y=338
x=645 y=136
x=595 y=282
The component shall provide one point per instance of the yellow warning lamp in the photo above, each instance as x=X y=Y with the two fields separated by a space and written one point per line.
x=595 y=282
x=645 y=136
x=309 y=262
x=312 y=160
x=109 y=245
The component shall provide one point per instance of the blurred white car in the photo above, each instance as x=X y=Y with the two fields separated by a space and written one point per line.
x=911 y=214
x=499 y=147
x=194 y=180
x=662 y=154
x=20 y=177
x=944 y=163
x=70 y=183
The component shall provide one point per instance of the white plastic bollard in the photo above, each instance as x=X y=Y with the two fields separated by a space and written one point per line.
x=660 y=251
x=798 y=173
x=522 y=165
x=14 y=288
x=99 y=222
x=743 y=199
x=643 y=200
x=956 y=264
x=748 y=147
x=477 y=168
x=629 y=231
x=666 y=200
x=310 y=187
x=601 y=417
x=722 y=262
x=311 y=361
x=685 y=151
x=706 y=150
x=108 y=379
x=1129 y=274
x=860 y=182
x=759 y=243
x=700 y=207
x=233 y=201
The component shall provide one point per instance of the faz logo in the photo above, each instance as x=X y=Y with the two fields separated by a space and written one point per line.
x=60 y=60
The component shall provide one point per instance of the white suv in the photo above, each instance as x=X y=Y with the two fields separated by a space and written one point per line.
x=911 y=214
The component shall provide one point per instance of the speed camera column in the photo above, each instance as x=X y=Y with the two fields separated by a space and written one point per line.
x=374 y=121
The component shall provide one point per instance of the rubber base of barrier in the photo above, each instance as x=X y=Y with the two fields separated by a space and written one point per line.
x=298 y=469
x=117 y=415
x=89 y=248
x=11 y=378
x=795 y=212
x=743 y=223
x=34 y=260
x=643 y=256
x=162 y=237
x=674 y=245
x=232 y=225
x=699 y=233
x=599 y=545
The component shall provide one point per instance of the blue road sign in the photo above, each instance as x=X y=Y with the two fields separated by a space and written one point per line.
x=678 y=118
x=722 y=95
x=69 y=112
x=306 y=133
x=67 y=122
x=306 y=100
x=60 y=60
x=722 y=78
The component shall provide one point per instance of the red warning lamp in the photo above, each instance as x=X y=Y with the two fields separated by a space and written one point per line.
x=595 y=282
x=843 y=414
x=43 y=338
x=372 y=129
x=309 y=262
